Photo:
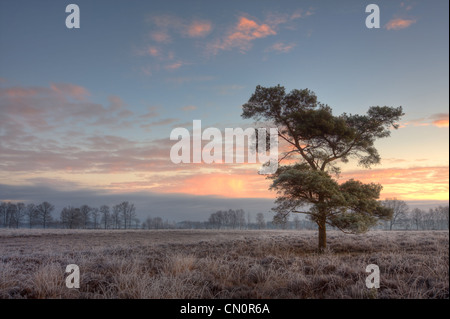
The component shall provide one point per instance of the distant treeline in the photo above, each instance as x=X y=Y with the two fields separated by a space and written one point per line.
x=123 y=216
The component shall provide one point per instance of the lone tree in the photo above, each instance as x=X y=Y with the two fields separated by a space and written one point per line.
x=318 y=141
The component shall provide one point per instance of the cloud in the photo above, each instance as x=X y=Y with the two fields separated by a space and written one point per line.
x=406 y=6
x=153 y=51
x=86 y=155
x=166 y=29
x=150 y=50
x=43 y=108
x=161 y=122
x=171 y=24
x=189 y=79
x=246 y=30
x=276 y=18
x=174 y=66
x=152 y=112
x=411 y=183
x=440 y=119
x=146 y=70
x=242 y=34
x=115 y=103
x=398 y=23
x=234 y=185
x=108 y=142
x=20 y=92
x=228 y=89
x=161 y=36
x=280 y=47
x=165 y=121
x=70 y=90
x=48 y=128
x=189 y=108
x=199 y=29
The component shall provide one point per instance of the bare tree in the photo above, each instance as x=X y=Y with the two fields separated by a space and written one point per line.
x=260 y=221
x=399 y=208
x=240 y=217
x=85 y=215
x=45 y=213
x=428 y=221
x=11 y=213
x=416 y=217
x=157 y=223
x=440 y=215
x=71 y=217
x=8 y=214
x=116 y=216
x=297 y=222
x=104 y=211
x=281 y=220
x=148 y=224
x=128 y=212
x=136 y=222
x=95 y=213
x=32 y=214
x=20 y=213
x=230 y=218
x=445 y=215
x=216 y=219
x=3 y=213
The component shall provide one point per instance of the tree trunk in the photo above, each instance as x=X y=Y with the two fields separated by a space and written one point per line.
x=322 y=234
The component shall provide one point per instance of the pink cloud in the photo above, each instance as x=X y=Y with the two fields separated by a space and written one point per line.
x=17 y=92
x=281 y=47
x=228 y=89
x=74 y=91
x=275 y=18
x=152 y=112
x=440 y=119
x=36 y=110
x=161 y=36
x=398 y=23
x=146 y=70
x=406 y=6
x=153 y=51
x=166 y=21
x=161 y=122
x=249 y=29
x=189 y=108
x=174 y=66
x=242 y=34
x=199 y=29
x=169 y=24
x=190 y=79
x=116 y=102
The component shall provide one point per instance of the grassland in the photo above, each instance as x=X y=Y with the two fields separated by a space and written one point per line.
x=222 y=264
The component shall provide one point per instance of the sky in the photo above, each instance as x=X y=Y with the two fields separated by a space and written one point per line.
x=86 y=113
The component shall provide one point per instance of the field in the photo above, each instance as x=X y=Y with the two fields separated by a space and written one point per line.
x=222 y=264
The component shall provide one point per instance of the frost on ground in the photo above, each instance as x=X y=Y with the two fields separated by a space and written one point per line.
x=222 y=264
